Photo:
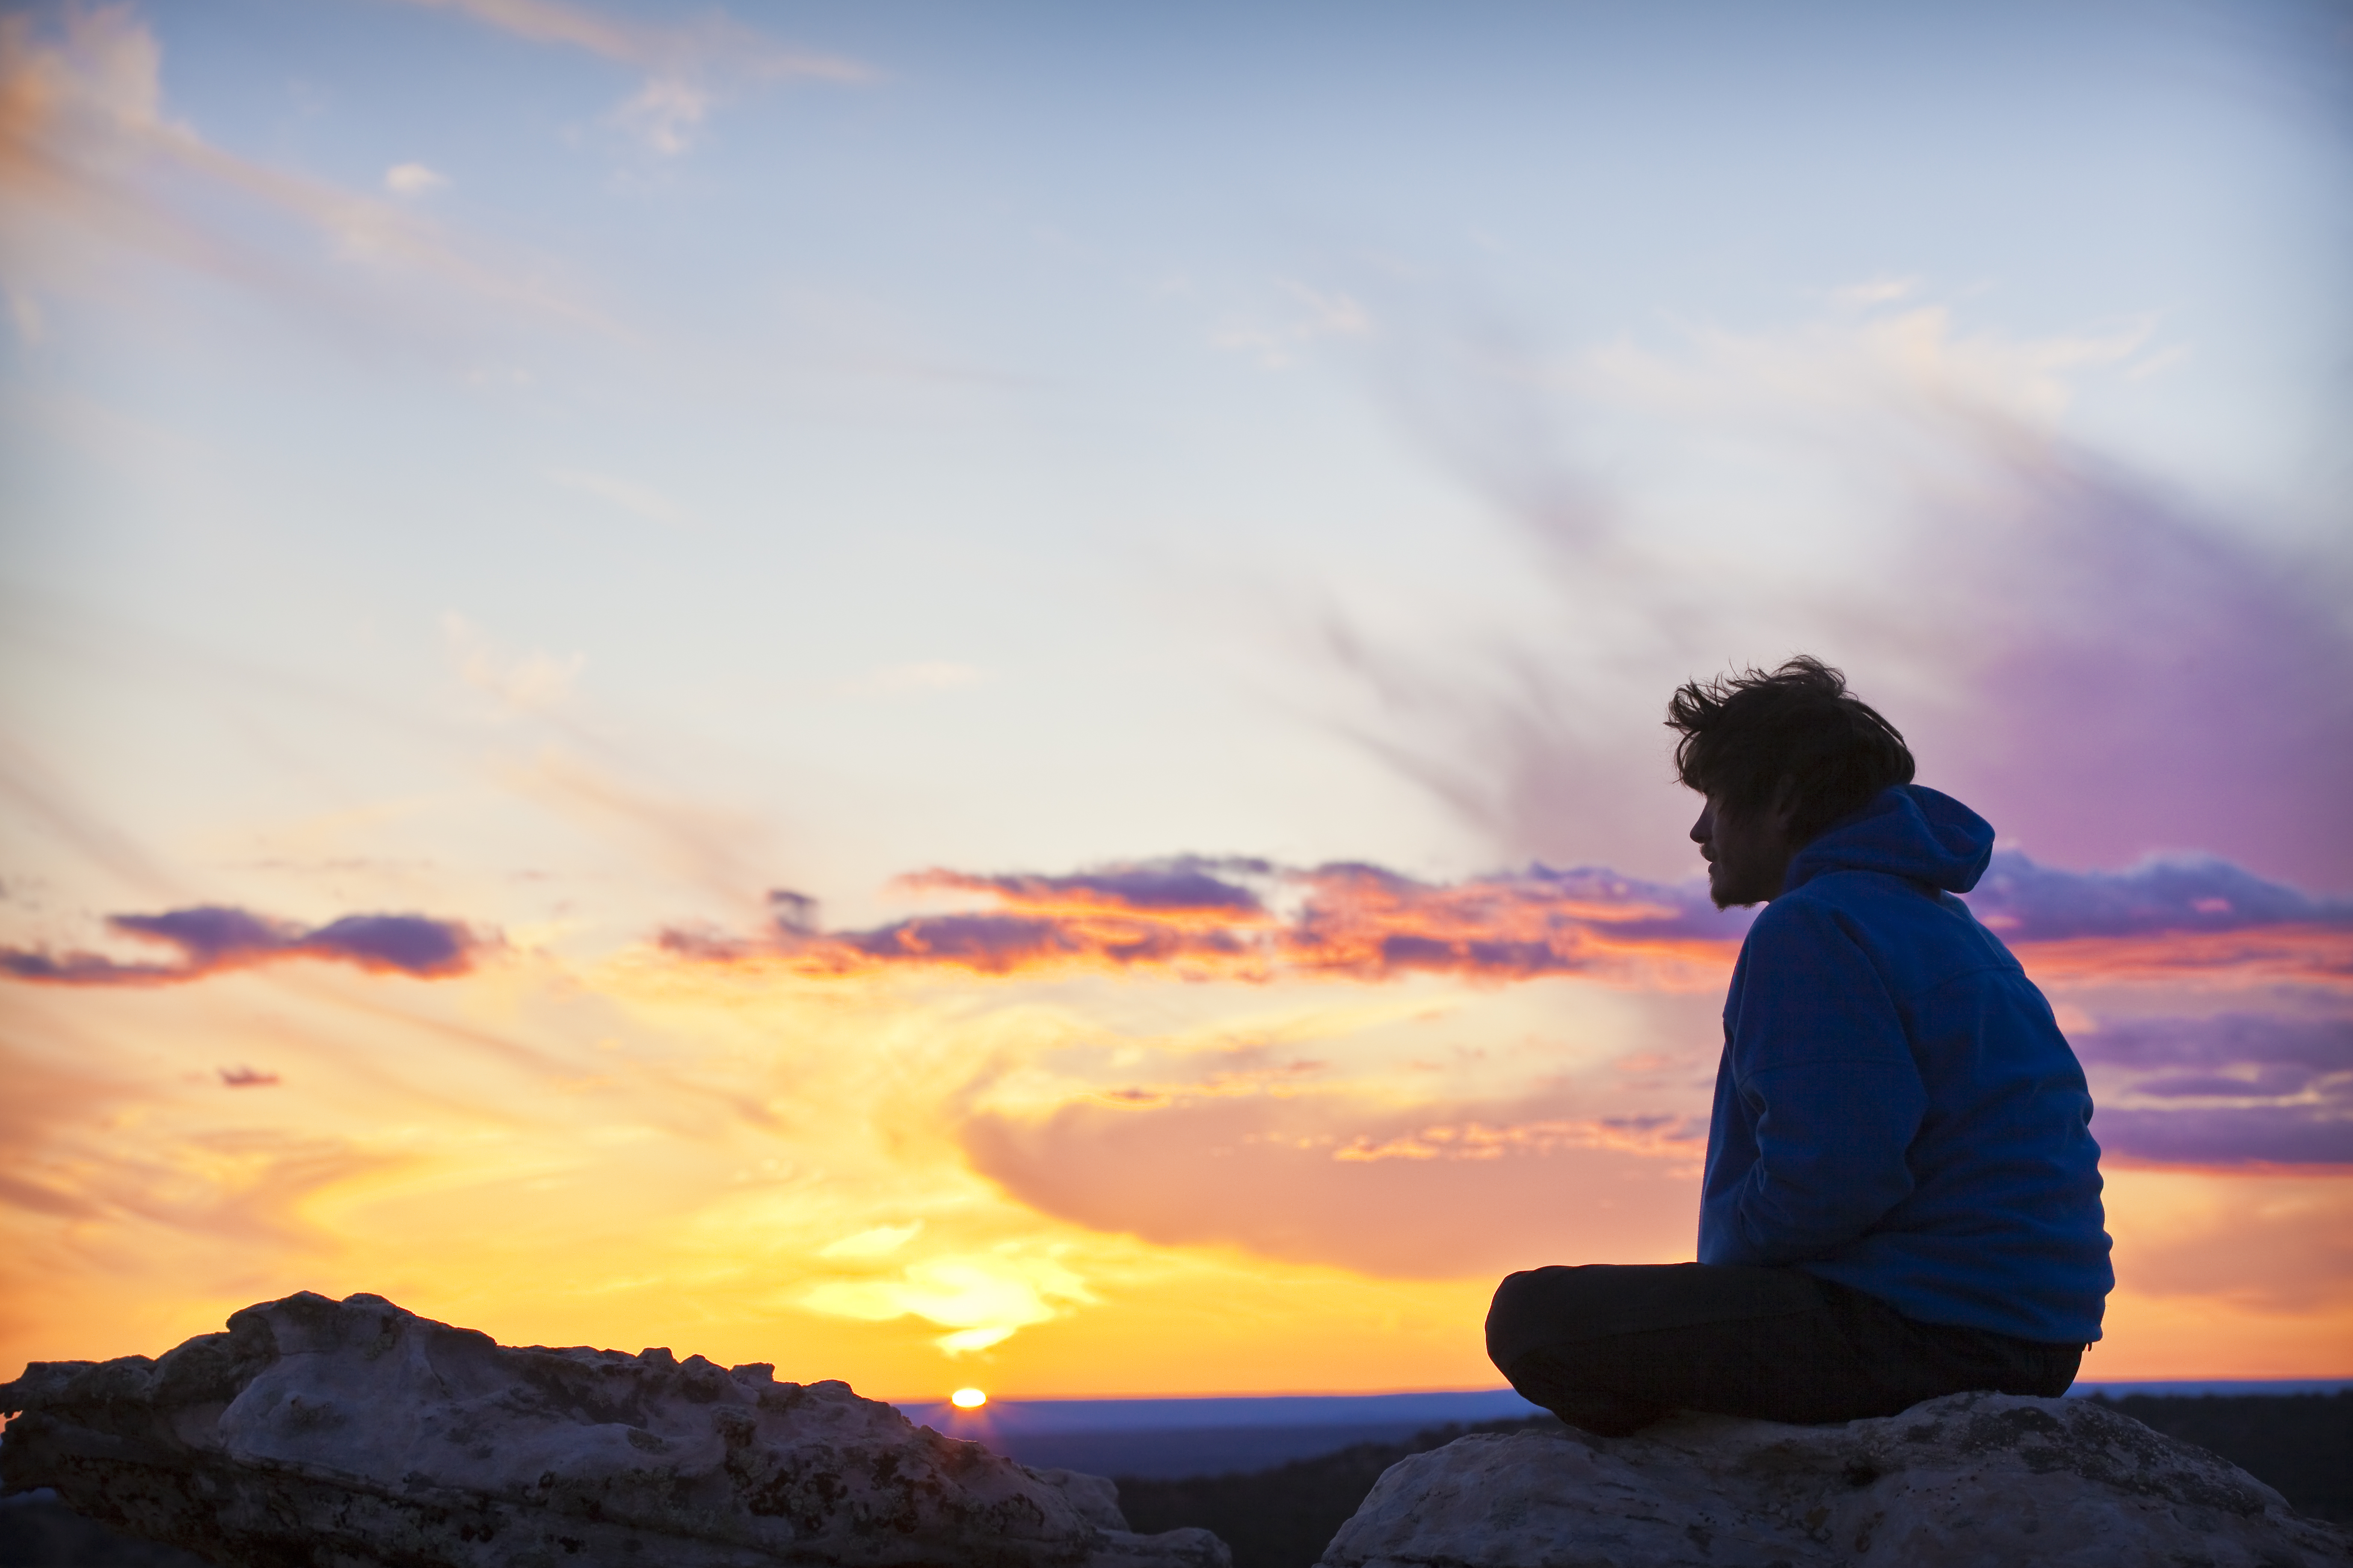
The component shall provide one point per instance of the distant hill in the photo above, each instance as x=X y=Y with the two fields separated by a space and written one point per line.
x=2299 y=1444
x=1283 y=1517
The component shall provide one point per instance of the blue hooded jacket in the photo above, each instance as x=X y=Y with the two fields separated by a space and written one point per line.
x=1897 y=1109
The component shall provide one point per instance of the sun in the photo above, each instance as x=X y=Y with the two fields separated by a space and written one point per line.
x=967 y=1399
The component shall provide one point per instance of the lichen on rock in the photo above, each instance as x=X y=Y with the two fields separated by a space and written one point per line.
x=1977 y=1480
x=355 y=1434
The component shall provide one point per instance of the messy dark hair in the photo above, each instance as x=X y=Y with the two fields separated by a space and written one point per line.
x=1744 y=734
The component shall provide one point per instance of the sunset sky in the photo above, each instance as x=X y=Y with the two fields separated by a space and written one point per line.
x=971 y=694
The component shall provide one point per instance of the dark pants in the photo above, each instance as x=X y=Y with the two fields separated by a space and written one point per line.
x=1611 y=1348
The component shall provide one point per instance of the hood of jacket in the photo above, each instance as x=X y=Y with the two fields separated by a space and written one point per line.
x=1908 y=830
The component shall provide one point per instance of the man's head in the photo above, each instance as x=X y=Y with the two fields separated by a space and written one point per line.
x=1780 y=757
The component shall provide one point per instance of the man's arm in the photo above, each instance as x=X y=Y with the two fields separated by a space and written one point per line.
x=1820 y=1057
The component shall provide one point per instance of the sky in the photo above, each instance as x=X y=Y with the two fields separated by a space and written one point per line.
x=963 y=695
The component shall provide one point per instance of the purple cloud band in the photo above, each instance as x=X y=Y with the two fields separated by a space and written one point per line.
x=1253 y=919
x=2027 y=902
x=216 y=937
x=2233 y=1089
x=1250 y=920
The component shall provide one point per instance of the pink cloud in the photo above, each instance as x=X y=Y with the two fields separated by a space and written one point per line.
x=1480 y=1194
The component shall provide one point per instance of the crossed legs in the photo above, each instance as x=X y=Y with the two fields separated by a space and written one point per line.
x=1612 y=1347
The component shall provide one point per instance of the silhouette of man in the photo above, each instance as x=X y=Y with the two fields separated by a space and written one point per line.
x=1902 y=1195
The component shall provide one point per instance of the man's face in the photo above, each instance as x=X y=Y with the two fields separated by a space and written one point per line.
x=1747 y=853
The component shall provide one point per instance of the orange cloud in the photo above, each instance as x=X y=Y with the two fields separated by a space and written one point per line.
x=2191 y=920
x=1405 y=1198
x=86 y=149
x=2310 y=955
x=1248 y=921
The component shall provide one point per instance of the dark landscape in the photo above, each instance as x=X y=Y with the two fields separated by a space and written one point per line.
x=2301 y=1444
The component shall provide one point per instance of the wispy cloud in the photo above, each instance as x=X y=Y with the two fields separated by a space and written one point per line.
x=982 y=1300
x=2234 y=1088
x=413 y=180
x=1308 y=315
x=212 y=938
x=915 y=677
x=2073 y=645
x=643 y=500
x=692 y=67
x=521 y=682
x=88 y=148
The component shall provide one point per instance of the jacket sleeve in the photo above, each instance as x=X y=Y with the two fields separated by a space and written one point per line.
x=1820 y=1057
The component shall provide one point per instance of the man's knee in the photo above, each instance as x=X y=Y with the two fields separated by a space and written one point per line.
x=1529 y=1310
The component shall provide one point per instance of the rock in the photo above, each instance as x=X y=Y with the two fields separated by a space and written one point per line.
x=1982 y=1480
x=355 y=1434
x=36 y=1530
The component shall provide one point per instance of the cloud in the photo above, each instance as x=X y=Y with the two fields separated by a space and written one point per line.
x=1393 y=1194
x=2027 y=902
x=1877 y=291
x=214 y=937
x=413 y=180
x=87 y=146
x=36 y=793
x=922 y=675
x=26 y=315
x=2104 y=667
x=1248 y=919
x=1314 y=314
x=1251 y=920
x=522 y=684
x=982 y=1300
x=643 y=500
x=2236 y=1088
x=2311 y=955
x=692 y=67
x=666 y=112
x=1182 y=885
x=2176 y=916
x=1365 y=922
x=879 y=1241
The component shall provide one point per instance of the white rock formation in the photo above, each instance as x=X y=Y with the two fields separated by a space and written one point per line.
x=1984 y=1481
x=355 y=1434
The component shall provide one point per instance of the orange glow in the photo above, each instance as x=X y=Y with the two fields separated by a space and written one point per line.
x=2306 y=954
x=1055 y=1184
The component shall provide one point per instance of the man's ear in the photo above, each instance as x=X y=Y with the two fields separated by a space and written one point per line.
x=1785 y=802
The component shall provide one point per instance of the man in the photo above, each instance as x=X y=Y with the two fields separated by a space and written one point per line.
x=1902 y=1195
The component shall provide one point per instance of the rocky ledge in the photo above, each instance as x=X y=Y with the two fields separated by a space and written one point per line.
x=1981 y=1480
x=355 y=1434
